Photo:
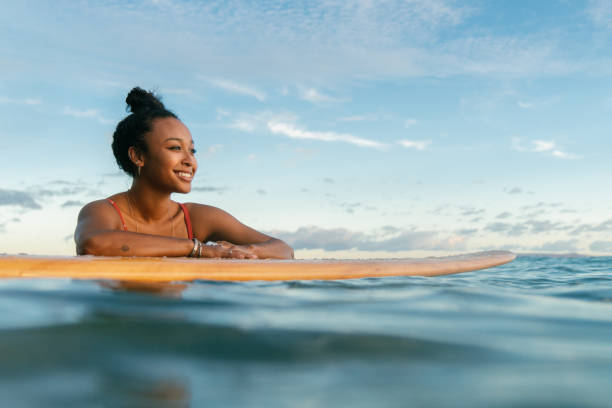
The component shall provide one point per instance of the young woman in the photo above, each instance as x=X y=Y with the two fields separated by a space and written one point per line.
x=156 y=149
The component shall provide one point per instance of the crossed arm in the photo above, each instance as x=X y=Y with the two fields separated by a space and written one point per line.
x=98 y=232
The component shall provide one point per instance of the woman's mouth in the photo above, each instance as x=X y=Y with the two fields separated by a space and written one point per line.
x=185 y=176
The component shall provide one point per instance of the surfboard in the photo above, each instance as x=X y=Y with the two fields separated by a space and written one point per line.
x=189 y=269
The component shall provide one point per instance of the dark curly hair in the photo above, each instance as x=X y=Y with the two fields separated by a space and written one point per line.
x=145 y=107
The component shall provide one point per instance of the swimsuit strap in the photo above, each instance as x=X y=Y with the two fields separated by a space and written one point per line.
x=187 y=220
x=185 y=212
x=118 y=212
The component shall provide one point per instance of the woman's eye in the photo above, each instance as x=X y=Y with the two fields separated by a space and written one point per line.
x=193 y=151
x=175 y=147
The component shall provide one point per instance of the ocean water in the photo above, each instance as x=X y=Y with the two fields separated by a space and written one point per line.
x=533 y=333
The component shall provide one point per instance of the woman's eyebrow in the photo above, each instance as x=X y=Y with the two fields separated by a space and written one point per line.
x=178 y=139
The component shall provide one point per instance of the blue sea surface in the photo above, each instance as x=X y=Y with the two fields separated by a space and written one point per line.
x=533 y=333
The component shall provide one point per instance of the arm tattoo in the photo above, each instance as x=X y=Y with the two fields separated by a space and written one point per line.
x=125 y=248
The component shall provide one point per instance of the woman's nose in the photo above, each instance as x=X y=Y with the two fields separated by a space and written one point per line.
x=189 y=160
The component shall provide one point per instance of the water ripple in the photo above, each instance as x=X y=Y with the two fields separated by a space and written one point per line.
x=535 y=332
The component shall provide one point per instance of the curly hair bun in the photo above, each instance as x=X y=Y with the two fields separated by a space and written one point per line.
x=131 y=131
x=140 y=100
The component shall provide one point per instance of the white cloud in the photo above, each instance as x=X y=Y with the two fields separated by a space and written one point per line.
x=237 y=88
x=415 y=144
x=105 y=83
x=537 y=103
x=604 y=226
x=517 y=144
x=87 y=113
x=23 y=199
x=162 y=3
x=600 y=12
x=221 y=113
x=176 y=91
x=441 y=12
x=515 y=190
x=367 y=117
x=24 y=101
x=385 y=239
x=531 y=227
x=297 y=42
x=290 y=130
x=209 y=189
x=211 y=150
x=562 y=155
x=515 y=56
x=543 y=146
x=408 y=123
x=315 y=96
x=601 y=246
x=251 y=122
x=243 y=124
x=358 y=118
x=559 y=246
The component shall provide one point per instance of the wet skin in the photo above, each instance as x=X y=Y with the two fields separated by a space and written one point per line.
x=156 y=224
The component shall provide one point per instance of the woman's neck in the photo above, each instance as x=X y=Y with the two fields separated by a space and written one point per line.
x=150 y=204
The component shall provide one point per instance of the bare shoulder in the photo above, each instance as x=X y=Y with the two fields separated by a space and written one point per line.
x=94 y=207
x=215 y=224
x=203 y=211
x=100 y=213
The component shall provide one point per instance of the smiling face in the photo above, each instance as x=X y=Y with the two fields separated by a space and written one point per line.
x=170 y=161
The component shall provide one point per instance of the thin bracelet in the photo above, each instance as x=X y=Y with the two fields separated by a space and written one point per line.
x=200 y=245
x=195 y=247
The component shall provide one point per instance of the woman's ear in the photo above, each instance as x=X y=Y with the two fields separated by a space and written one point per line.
x=136 y=156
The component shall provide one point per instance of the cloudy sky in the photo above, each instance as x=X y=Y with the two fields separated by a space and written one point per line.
x=348 y=128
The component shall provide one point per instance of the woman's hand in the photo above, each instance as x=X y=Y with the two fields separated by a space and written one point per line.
x=230 y=234
x=224 y=249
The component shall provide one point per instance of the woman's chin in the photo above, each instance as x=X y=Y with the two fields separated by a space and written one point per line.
x=184 y=189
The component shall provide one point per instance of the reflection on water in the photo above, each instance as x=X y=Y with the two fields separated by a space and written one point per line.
x=146 y=392
x=164 y=289
x=532 y=333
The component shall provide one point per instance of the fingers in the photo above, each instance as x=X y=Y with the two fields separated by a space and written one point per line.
x=227 y=250
x=225 y=244
x=239 y=252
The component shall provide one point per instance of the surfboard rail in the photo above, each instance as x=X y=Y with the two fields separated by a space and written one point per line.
x=188 y=269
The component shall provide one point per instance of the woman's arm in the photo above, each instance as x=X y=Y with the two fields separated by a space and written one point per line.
x=271 y=249
x=214 y=224
x=98 y=232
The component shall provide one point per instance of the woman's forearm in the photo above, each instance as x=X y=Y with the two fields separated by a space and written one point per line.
x=122 y=243
x=274 y=249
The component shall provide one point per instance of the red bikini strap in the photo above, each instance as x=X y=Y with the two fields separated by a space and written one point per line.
x=118 y=212
x=187 y=220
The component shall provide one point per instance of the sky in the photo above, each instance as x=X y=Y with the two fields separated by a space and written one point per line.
x=350 y=129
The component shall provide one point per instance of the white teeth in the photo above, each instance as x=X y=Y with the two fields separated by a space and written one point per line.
x=185 y=175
